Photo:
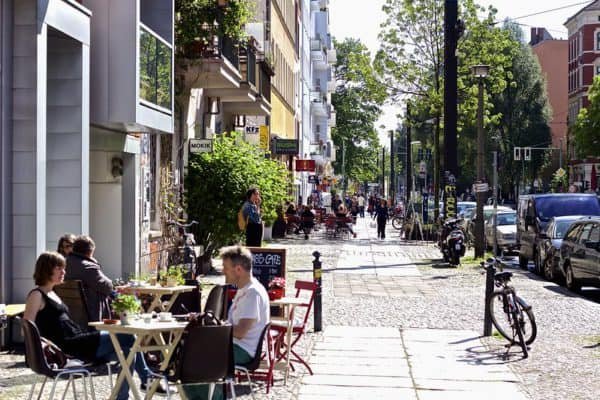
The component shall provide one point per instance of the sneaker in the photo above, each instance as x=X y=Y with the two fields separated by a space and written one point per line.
x=160 y=389
x=354 y=234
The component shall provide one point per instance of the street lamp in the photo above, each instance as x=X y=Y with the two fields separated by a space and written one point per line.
x=480 y=72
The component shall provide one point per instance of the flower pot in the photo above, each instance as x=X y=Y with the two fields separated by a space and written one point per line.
x=171 y=282
x=275 y=294
x=125 y=318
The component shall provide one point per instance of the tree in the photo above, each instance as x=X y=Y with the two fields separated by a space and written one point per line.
x=587 y=126
x=216 y=186
x=411 y=63
x=524 y=111
x=357 y=100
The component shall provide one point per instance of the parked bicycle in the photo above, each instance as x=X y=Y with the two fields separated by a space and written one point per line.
x=511 y=316
x=185 y=254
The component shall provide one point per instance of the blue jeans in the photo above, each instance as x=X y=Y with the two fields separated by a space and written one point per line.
x=106 y=352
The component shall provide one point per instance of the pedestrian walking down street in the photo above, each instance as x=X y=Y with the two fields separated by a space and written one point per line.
x=382 y=215
x=251 y=212
x=361 y=205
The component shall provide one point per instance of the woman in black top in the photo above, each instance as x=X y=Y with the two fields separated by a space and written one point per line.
x=52 y=318
x=382 y=214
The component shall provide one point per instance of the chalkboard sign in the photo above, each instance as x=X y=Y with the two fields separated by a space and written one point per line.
x=267 y=264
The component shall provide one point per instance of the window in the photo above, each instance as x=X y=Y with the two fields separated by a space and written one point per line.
x=595 y=235
x=572 y=234
x=585 y=233
x=597 y=40
x=155 y=69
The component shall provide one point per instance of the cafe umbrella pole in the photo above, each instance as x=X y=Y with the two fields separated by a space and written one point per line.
x=318 y=305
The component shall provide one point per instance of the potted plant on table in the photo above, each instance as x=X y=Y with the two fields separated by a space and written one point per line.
x=276 y=288
x=125 y=305
x=173 y=276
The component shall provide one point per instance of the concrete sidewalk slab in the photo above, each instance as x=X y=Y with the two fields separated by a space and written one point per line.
x=389 y=363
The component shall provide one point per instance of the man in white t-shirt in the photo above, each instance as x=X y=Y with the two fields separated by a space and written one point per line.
x=249 y=311
x=361 y=205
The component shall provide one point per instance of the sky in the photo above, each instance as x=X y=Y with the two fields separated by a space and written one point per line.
x=361 y=19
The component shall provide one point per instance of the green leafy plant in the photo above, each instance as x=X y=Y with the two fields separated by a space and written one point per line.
x=126 y=303
x=216 y=186
x=174 y=272
x=196 y=21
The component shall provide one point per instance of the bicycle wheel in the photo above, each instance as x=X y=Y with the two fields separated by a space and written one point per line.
x=504 y=321
x=519 y=332
x=397 y=222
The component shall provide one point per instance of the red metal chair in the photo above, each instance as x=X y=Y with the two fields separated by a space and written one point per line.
x=298 y=327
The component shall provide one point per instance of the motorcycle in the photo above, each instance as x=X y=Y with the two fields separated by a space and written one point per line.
x=452 y=242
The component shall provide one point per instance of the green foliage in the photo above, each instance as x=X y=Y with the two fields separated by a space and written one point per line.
x=357 y=102
x=175 y=272
x=125 y=303
x=190 y=15
x=216 y=186
x=523 y=109
x=587 y=126
x=411 y=63
x=560 y=181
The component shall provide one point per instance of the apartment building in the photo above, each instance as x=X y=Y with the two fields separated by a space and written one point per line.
x=86 y=87
x=584 y=64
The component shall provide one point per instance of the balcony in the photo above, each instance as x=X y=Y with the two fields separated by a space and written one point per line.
x=319 y=5
x=332 y=117
x=331 y=86
x=318 y=104
x=317 y=53
x=332 y=56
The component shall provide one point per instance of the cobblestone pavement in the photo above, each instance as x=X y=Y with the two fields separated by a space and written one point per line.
x=367 y=282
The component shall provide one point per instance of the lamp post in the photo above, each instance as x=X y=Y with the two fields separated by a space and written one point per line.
x=480 y=72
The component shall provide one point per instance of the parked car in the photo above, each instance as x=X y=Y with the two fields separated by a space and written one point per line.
x=549 y=245
x=580 y=254
x=463 y=206
x=487 y=212
x=536 y=211
x=506 y=231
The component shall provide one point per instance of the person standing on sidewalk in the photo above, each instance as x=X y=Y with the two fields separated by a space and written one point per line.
x=251 y=211
x=382 y=215
x=361 y=205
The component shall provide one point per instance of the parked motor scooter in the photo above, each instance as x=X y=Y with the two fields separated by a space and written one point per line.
x=452 y=242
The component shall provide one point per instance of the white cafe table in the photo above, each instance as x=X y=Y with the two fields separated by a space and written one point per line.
x=143 y=332
x=156 y=291
x=289 y=304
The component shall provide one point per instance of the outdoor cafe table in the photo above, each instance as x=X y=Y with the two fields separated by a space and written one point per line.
x=143 y=332
x=156 y=292
x=289 y=304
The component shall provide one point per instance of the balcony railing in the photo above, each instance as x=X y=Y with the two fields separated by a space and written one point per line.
x=156 y=69
x=265 y=84
x=247 y=58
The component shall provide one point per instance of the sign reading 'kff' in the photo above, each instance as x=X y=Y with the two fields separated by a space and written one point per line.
x=200 y=146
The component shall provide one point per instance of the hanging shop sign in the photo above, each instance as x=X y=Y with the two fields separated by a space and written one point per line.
x=263 y=133
x=305 y=165
x=201 y=145
x=285 y=146
x=313 y=179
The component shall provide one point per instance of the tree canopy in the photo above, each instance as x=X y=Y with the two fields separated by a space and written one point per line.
x=357 y=101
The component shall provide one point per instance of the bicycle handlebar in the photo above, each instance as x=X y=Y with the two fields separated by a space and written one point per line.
x=193 y=222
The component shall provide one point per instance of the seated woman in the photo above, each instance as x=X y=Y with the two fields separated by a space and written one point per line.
x=51 y=316
x=307 y=221
x=342 y=216
x=292 y=218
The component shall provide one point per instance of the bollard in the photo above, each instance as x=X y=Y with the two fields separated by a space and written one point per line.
x=318 y=305
x=489 y=290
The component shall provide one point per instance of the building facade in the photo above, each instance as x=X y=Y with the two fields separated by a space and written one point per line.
x=584 y=64
x=79 y=110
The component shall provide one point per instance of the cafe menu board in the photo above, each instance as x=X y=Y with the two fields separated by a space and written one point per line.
x=267 y=264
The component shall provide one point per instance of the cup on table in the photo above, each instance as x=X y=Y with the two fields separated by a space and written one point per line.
x=164 y=316
x=147 y=318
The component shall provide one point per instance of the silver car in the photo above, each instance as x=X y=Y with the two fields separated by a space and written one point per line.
x=506 y=231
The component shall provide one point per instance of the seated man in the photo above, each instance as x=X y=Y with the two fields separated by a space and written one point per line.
x=249 y=312
x=97 y=287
